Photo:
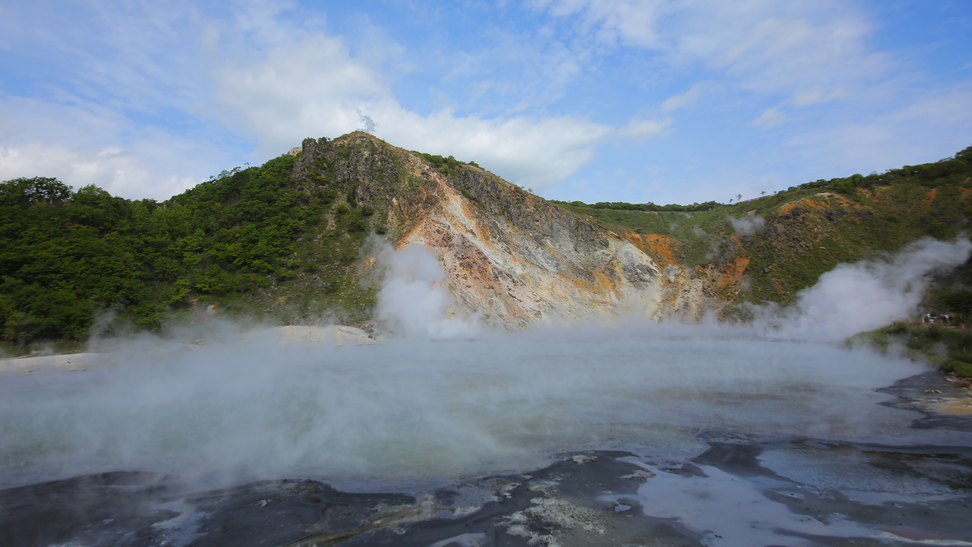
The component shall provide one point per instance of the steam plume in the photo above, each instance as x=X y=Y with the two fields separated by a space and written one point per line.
x=866 y=295
x=414 y=299
x=747 y=226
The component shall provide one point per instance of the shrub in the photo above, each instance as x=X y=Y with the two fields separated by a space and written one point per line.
x=961 y=368
x=356 y=223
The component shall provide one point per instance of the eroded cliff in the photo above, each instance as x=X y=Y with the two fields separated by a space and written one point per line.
x=510 y=255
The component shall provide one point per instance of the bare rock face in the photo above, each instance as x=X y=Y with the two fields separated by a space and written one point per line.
x=537 y=262
x=512 y=256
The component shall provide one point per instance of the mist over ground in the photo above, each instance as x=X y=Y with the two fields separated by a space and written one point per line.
x=446 y=399
x=414 y=408
x=414 y=299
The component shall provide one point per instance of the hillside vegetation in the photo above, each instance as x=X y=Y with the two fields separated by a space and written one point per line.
x=782 y=243
x=280 y=242
x=944 y=347
x=77 y=261
x=284 y=242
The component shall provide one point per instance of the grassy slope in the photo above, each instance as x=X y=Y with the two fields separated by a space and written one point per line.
x=811 y=228
x=317 y=280
x=324 y=279
x=807 y=231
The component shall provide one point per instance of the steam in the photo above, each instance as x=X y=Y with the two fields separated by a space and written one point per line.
x=711 y=240
x=405 y=408
x=431 y=404
x=858 y=297
x=369 y=124
x=747 y=226
x=851 y=298
x=414 y=299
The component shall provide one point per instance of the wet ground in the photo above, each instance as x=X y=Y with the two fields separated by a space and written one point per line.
x=945 y=402
x=756 y=492
x=742 y=490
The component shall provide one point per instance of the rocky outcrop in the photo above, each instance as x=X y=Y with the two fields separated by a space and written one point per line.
x=509 y=255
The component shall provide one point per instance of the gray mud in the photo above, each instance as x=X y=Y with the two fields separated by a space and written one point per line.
x=738 y=492
x=922 y=393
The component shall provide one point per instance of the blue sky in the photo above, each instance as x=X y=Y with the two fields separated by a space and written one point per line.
x=593 y=100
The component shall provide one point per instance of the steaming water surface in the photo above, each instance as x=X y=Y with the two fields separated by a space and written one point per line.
x=729 y=438
x=413 y=409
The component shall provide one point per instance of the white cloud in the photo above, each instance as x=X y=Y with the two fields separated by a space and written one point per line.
x=117 y=101
x=119 y=172
x=296 y=89
x=272 y=80
x=83 y=143
x=643 y=129
x=530 y=152
x=534 y=69
x=914 y=131
x=688 y=98
x=765 y=46
x=152 y=97
x=815 y=95
x=69 y=119
x=632 y=22
x=311 y=86
x=770 y=118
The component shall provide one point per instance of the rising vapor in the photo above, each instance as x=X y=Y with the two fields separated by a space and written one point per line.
x=438 y=402
x=414 y=299
x=747 y=226
x=866 y=295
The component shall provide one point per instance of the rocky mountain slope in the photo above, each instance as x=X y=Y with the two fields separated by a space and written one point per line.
x=509 y=255
x=289 y=243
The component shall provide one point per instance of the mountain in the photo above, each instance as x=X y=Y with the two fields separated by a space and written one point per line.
x=288 y=242
x=508 y=254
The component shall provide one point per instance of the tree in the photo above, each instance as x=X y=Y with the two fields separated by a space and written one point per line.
x=27 y=192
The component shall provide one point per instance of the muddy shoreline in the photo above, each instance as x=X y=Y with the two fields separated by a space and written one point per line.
x=590 y=498
x=944 y=404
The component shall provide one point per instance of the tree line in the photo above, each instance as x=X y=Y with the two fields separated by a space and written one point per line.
x=624 y=206
x=69 y=257
x=955 y=170
x=949 y=171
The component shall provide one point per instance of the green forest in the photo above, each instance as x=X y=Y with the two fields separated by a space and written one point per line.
x=70 y=258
